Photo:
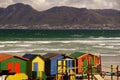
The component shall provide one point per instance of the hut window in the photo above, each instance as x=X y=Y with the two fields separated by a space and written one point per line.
x=35 y=66
x=14 y=67
x=17 y=67
x=10 y=65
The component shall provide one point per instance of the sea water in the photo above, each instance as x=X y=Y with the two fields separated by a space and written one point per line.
x=101 y=42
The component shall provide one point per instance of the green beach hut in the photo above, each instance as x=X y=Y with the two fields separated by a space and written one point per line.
x=13 y=63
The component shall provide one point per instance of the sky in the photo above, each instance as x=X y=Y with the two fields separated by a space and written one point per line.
x=41 y=5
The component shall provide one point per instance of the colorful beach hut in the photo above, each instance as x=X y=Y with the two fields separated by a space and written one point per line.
x=36 y=67
x=51 y=63
x=83 y=60
x=65 y=71
x=57 y=64
x=13 y=63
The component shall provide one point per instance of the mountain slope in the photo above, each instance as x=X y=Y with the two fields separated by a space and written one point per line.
x=24 y=14
x=18 y=13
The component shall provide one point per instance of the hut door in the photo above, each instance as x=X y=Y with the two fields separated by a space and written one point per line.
x=17 y=67
x=36 y=66
x=85 y=66
x=69 y=63
x=10 y=67
x=92 y=64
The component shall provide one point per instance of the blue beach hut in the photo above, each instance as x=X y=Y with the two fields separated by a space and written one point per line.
x=51 y=63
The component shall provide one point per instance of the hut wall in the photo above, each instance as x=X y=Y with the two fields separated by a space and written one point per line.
x=41 y=64
x=97 y=60
x=53 y=64
x=80 y=65
x=63 y=65
x=38 y=66
x=0 y=66
x=47 y=67
x=83 y=62
x=13 y=61
x=29 y=68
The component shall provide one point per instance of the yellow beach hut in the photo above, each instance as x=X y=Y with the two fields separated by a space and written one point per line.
x=36 y=67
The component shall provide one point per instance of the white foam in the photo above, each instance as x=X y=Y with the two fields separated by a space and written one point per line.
x=11 y=42
x=52 y=49
x=115 y=44
x=102 y=44
x=17 y=51
x=36 y=42
x=10 y=51
x=23 y=45
x=2 y=45
x=63 y=41
x=59 y=49
x=98 y=46
x=70 y=41
x=103 y=38
x=109 y=47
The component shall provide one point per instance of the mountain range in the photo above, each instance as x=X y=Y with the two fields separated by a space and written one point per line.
x=24 y=14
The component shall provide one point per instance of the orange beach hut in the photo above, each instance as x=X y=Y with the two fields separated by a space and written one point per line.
x=85 y=59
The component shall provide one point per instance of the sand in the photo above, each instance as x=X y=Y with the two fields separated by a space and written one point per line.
x=107 y=61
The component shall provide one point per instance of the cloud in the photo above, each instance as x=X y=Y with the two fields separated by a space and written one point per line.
x=5 y=3
x=46 y=4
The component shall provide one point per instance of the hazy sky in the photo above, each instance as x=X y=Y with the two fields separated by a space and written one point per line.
x=45 y=4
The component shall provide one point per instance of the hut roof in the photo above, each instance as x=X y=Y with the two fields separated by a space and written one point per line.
x=7 y=56
x=80 y=54
x=32 y=56
x=29 y=56
x=77 y=54
x=51 y=55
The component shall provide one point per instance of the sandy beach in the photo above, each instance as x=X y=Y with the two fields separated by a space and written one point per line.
x=107 y=61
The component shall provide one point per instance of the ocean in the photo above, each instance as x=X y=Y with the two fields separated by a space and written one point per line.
x=101 y=42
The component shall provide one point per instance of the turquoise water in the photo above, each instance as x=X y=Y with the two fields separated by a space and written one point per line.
x=42 y=34
x=104 y=42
